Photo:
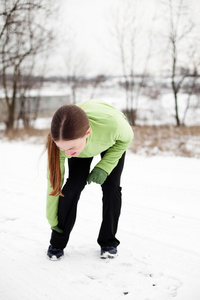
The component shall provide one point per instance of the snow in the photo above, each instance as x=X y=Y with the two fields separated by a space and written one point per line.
x=159 y=256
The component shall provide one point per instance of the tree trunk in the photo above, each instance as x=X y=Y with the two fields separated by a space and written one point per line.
x=176 y=109
x=10 y=120
x=175 y=88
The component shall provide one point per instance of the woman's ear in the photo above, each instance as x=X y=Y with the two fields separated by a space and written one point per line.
x=88 y=132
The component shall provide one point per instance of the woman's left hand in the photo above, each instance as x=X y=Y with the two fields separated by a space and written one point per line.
x=97 y=175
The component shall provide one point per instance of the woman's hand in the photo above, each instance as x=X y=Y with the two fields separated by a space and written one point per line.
x=57 y=229
x=97 y=175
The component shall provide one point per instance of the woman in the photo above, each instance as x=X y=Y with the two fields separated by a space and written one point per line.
x=80 y=132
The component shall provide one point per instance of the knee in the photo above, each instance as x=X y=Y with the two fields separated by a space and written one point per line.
x=74 y=186
x=111 y=188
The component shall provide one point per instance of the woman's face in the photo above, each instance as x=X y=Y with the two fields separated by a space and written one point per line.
x=73 y=147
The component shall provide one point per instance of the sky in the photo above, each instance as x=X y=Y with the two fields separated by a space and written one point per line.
x=83 y=26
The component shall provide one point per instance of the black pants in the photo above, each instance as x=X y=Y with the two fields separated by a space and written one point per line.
x=67 y=208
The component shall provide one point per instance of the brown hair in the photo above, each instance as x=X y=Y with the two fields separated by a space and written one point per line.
x=69 y=122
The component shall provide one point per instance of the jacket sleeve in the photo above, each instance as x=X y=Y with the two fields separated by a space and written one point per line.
x=52 y=201
x=123 y=136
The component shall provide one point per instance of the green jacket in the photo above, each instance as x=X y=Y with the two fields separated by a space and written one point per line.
x=109 y=131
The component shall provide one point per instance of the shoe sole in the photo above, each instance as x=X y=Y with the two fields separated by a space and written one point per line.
x=106 y=255
x=55 y=258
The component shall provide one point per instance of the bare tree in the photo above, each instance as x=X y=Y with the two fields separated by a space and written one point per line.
x=25 y=32
x=179 y=29
x=29 y=103
x=192 y=84
x=126 y=31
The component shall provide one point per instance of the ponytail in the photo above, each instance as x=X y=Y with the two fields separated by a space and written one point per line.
x=54 y=166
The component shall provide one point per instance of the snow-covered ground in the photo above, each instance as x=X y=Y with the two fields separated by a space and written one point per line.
x=159 y=257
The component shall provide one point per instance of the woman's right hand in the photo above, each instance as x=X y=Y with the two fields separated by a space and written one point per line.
x=57 y=229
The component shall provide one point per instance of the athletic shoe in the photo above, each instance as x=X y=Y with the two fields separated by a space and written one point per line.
x=54 y=254
x=108 y=252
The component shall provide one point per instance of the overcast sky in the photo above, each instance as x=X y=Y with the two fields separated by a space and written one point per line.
x=86 y=22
